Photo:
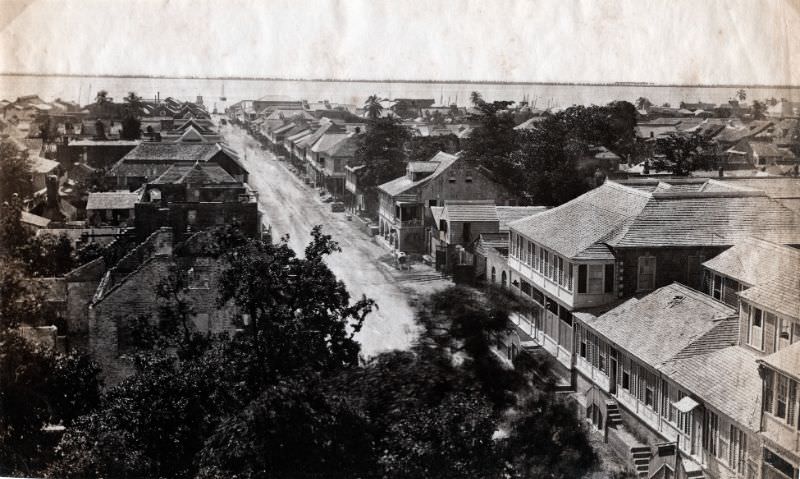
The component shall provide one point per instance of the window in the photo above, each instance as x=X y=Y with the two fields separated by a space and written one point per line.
x=790 y=410
x=768 y=387
x=191 y=217
x=542 y=254
x=432 y=203
x=582 y=275
x=784 y=333
x=650 y=391
x=664 y=398
x=560 y=270
x=535 y=256
x=468 y=179
x=716 y=292
x=626 y=374
x=609 y=279
x=778 y=463
x=596 y=276
x=647 y=273
x=581 y=340
x=781 y=395
x=494 y=275
x=525 y=287
x=756 y=338
x=738 y=449
x=711 y=432
x=503 y=279
x=569 y=276
x=451 y=180
x=466 y=232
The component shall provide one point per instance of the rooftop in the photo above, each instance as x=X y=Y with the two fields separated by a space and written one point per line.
x=786 y=360
x=782 y=294
x=622 y=216
x=755 y=261
x=470 y=210
x=113 y=200
x=672 y=322
x=199 y=173
x=404 y=183
x=507 y=214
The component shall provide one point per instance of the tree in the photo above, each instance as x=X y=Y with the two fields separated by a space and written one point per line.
x=683 y=154
x=13 y=234
x=39 y=387
x=15 y=172
x=741 y=94
x=493 y=139
x=643 y=103
x=373 y=107
x=381 y=149
x=47 y=255
x=759 y=110
x=298 y=313
x=135 y=104
x=131 y=128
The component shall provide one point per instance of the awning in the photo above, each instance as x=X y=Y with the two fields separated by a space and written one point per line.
x=686 y=404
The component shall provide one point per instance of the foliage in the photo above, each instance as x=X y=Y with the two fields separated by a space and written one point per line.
x=381 y=149
x=759 y=110
x=15 y=172
x=683 y=154
x=373 y=107
x=40 y=387
x=493 y=139
x=298 y=312
x=13 y=234
x=131 y=128
x=423 y=148
x=47 y=255
x=19 y=303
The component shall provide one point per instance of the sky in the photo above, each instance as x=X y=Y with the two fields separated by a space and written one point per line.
x=670 y=41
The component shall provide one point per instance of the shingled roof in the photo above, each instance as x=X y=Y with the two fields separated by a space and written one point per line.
x=113 y=200
x=782 y=294
x=624 y=217
x=199 y=173
x=404 y=183
x=470 y=210
x=786 y=360
x=672 y=322
x=754 y=261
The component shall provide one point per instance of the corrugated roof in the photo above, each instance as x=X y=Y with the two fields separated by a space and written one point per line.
x=755 y=261
x=786 y=360
x=470 y=210
x=113 y=200
x=738 y=396
x=660 y=326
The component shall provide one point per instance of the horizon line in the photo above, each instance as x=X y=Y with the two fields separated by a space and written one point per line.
x=365 y=80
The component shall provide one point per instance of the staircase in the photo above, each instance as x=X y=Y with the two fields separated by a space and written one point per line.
x=613 y=416
x=641 y=459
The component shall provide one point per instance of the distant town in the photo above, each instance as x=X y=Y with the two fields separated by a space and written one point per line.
x=642 y=257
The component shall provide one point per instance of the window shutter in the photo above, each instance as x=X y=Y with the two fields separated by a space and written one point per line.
x=582 y=278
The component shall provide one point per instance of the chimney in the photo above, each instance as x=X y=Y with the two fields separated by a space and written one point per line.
x=52 y=191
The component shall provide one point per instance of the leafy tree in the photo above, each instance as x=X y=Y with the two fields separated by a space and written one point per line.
x=493 y=139
x=13 y=234
x=293 y=429
x=373 y=107
x=131 y=128
x=381 y=149
x=18 y=302
x=759 y=110
x=299 y=314
x=15 y=172
x=47 y=255
x=683 y=154
x=423 y=148
x=643 y=103
x=39 y=387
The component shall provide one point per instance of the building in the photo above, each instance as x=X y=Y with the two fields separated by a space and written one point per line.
x=113 y=208
x=188 y=198
x=404 y=203
x=127 y=296
x=149 y=160
x=334 y=151
x=780 y=417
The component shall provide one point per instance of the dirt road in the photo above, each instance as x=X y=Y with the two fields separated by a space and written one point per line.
x=292 y=207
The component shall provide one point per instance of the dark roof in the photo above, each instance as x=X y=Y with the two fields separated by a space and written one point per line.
x=670 y=323
x=171 y=152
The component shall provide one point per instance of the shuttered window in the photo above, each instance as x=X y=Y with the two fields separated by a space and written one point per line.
x=646 y=273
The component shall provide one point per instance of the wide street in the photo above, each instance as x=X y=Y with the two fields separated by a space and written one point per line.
x=292 y=207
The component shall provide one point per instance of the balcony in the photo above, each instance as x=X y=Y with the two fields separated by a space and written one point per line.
x=543 y=283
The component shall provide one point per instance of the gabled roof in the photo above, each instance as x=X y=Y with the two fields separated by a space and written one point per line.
x=620 y=216
x=670 y=323
x=199 y=173
x=171 y=152
x=328 y=142
x=470 y=210
x=309 y=140
x=786 y=360
x=404 y=183
x=113 y=200
x=754 y=261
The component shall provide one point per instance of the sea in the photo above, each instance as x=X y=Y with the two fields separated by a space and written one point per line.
x=217 y=92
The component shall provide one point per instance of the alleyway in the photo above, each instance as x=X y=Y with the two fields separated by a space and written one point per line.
x=292 y=207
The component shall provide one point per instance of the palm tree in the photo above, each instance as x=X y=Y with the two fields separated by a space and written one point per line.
x=102 y=98
x=475 y=98
x=741 y=95
x=373 y=107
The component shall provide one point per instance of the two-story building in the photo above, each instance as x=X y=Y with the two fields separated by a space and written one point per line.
x=617 y=241
x=780 y=417
x=404 y=203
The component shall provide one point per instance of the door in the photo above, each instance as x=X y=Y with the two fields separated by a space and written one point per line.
x=612 y=376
